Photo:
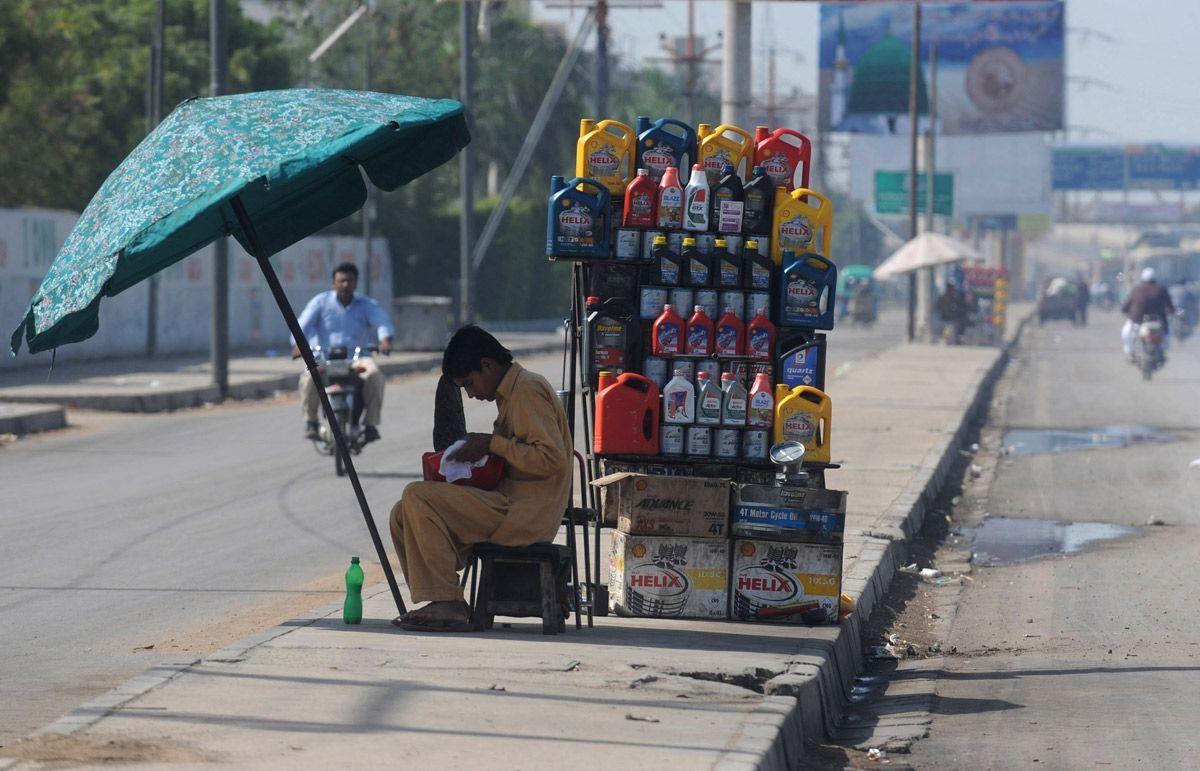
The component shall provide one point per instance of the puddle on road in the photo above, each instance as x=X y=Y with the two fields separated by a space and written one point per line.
x=1006 y=541
x=1032 y=441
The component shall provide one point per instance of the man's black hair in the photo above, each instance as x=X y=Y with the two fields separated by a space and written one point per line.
x=345 y=267
x=467 y=349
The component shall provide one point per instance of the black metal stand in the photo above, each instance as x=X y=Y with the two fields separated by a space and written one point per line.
x=289 y=316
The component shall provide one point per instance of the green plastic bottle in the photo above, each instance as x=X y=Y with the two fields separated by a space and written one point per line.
x=352 y=609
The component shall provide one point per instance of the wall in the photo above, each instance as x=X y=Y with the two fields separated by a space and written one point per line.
x=30 y=238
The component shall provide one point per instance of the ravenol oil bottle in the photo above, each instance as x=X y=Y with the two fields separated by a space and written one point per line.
x=804 y=414
x=803 y=223
x=724 y=145
x=605 y=153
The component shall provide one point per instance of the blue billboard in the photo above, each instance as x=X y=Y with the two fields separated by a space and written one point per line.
x=999 y=66
x=1136 y=167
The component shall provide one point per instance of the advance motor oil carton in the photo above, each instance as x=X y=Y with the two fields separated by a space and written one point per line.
x=680 y=506
x=785 y=583
x=670 y=577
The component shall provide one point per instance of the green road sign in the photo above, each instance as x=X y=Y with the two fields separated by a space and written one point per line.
x=891 y=193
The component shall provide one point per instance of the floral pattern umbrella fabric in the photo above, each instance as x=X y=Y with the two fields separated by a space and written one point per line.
x=292 y=157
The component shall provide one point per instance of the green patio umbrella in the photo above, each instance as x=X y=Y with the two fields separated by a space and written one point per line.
x=267 y=168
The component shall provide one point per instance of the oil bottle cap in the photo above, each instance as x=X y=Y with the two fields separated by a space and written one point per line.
x=689 y=241
x=699 y=309
x=752 y=244
x=727 y=376
x=657 y=239
x=592 y=300
x=721 y=243
x=604 y=373
x=643 y=172
x=702 y=375
x=697 y=167
x=681 y=373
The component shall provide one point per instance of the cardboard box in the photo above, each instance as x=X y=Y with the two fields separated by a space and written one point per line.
x=667 y=577
x=786 y=583
x=788 y=513
x=642 y=504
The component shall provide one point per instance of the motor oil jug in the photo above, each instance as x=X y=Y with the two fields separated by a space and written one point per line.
x=801 y=225
x=668 y=332
x=758 y=210
x=761 y=412
x=679 y=400
x=733 y=404
x=605 y=153
x=578 y=220
x=609 y=336
x=804 y=414
x=730 y=334
x=668 y=143
x=708 y=401
x=697 y=266
x=784 y=154
x=664 y=268
x=801 y=358
x=627 y=417
x=670 y=201
x=723 y=146
x=727 y=268
x=696 y=203
x=701 y=333
x=757 y=268
x=728 y=203
x=807 y=291
x=760 y=336
x=641 y=202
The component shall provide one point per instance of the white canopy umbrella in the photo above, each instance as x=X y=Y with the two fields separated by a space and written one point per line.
x=925 y=251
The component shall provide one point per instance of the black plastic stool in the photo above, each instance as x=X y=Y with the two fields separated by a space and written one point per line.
x=522 y=581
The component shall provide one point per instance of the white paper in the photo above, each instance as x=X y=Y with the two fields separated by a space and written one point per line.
x=454 y=470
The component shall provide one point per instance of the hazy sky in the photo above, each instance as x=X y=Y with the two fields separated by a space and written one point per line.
x=1132 y=72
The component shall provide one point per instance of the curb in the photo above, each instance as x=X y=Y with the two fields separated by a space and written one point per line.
x=31 y=418
x=261 y=387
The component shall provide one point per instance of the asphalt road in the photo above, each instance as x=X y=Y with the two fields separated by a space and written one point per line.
x=1090 y=660
x=188 y=530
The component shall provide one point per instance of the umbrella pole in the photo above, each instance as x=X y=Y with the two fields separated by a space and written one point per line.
x=289 y=316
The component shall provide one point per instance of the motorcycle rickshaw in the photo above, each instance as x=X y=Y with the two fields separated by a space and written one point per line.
x=857 y=294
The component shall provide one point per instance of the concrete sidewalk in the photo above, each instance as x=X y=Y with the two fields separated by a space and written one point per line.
x=630 y=693
x=177 y=382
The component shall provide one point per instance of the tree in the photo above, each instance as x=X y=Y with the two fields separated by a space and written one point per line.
x=73 y=79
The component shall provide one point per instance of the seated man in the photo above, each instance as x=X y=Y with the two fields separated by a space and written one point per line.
x=435 y=523
x=343 y=317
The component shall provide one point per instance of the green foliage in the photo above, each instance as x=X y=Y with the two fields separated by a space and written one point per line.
x=74 y=83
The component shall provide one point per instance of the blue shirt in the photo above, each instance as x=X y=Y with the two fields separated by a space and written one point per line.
x=326 y=322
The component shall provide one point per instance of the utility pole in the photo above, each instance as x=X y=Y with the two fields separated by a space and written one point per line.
x=914 y=70
x=219 y=330
x=927 y=282
x=466 y=168
x=735 y=63
x=601 y=59
x=690 y=58
x=154 y=110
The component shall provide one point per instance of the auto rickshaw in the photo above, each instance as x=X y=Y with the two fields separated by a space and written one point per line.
x=856 y=294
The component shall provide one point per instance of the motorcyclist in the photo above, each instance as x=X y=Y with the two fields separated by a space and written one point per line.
x=1184 y=298
x=341 y=317
x=1148 y=298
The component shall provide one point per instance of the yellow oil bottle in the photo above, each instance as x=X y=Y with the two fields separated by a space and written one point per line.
x=722 y=146
x=605 y=153
x=804 y=414
x=803 y=223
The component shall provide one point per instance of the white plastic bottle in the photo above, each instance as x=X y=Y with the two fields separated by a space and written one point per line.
x=709 y=400
x=695 y=201
x=733 y=403
x=679 y=400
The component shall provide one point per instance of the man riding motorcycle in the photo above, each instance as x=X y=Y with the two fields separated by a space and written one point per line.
x=1148 y=298
x=340 y=317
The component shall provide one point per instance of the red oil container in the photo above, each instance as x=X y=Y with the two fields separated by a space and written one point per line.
x=784 y=154
x=627 y=417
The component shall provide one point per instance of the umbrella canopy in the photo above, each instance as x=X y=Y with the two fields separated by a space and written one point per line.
x=291 y=157
x=925 y=251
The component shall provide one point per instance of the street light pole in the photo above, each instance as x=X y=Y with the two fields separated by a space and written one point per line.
x=914 y=70
x=466 y=168
x=219 y=331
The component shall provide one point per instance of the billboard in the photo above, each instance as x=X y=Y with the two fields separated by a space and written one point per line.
x=1136 y=167
x=999 y=67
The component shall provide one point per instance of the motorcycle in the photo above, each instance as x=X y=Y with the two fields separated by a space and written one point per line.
x=340 y=375
x=1148 y=353
x=862 y=309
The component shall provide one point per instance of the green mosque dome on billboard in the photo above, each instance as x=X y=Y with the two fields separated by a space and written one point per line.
x=881 y=81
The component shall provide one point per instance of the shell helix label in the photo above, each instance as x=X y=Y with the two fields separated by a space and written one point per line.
x=800 y=368
x=603 y=162
x=658 y=159
x=803 y=297
x=641 y=207
x=778 y=582
x=779 y=169
x=758 y=343
x=799 y=427
x=575 y=226
x=796 y=234
x=716 y=163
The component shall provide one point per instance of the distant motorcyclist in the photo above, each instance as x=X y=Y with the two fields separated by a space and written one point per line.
x=1148 y=298
x=341 y=317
